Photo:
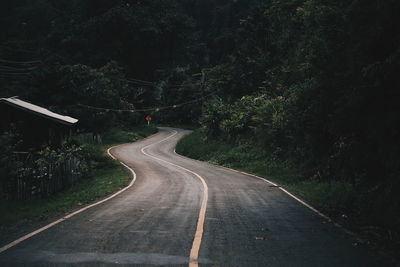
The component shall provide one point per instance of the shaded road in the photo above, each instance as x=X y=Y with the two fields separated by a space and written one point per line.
x=247 y=221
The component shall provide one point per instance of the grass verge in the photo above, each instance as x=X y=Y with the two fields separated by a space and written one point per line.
x=332 y=198
x=106 y=177
x=361 y=211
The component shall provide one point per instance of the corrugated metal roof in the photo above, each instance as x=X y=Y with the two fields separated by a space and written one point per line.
x=13 y=101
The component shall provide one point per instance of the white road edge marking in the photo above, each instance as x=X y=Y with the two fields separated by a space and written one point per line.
x=284 y=190
x=25 y=237
x=194 y=251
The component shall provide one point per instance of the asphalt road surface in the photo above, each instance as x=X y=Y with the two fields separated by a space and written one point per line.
x=181 y=212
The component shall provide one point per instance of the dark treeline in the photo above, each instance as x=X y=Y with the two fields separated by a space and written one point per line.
x=59 y=53
x=313 y=82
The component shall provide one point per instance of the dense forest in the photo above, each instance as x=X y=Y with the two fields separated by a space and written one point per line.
x=313 y=82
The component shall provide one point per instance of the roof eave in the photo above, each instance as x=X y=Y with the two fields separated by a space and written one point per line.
x=38 y=113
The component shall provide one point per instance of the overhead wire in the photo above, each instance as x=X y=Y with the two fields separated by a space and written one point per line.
x=5 y=68
x=145 y=109
x=21 y=62
x=136 y=83
x=7 y=72
x=148 y=84
x=17 y=49
x=140 y=81
x=15 y=73
x=13 y=70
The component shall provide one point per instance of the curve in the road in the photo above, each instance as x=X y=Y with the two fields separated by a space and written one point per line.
x=248 y=222
x=289 y=194
x=27 y=236
x=194 y=252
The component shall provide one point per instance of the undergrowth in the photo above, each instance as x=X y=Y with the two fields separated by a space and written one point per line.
x=370 y=214
x=106 y=176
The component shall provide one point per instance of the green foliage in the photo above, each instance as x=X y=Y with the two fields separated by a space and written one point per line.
x=51 y=159
x=311 y=81
x=351 y=206
x=10 y=165
x=127 y=135
x=320 y=95
x=177 y=90
x=101 y=86
x=85 y=51
x=105 y=176
x=214 y=112
x=101 y=182
x=41 y=174
x=270 y=120
x=73 y=85
x=335 y=198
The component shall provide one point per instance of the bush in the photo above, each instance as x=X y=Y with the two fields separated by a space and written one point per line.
x=40 y=174
x=9 y=163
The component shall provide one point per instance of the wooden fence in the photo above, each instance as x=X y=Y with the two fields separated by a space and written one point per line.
x=31 y=183
x=89 y=138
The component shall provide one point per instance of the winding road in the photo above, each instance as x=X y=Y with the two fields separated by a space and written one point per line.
x=182 y=212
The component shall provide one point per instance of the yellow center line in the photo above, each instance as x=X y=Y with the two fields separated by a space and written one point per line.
x=194 y=252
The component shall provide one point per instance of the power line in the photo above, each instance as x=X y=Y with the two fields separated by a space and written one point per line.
x=146 y=109
x=140 y=81
x=17 y=49
x=133 y=80
x=21 y=62
x=5 y=71
x=136 y=83
x=14 y=74
x=2 y=67
x=14 y=71
x=14 y=77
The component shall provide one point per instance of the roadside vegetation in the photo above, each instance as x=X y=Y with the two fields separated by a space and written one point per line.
x=104 y=177
x=346 y=204
x=334 y=198
x=311 y=86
